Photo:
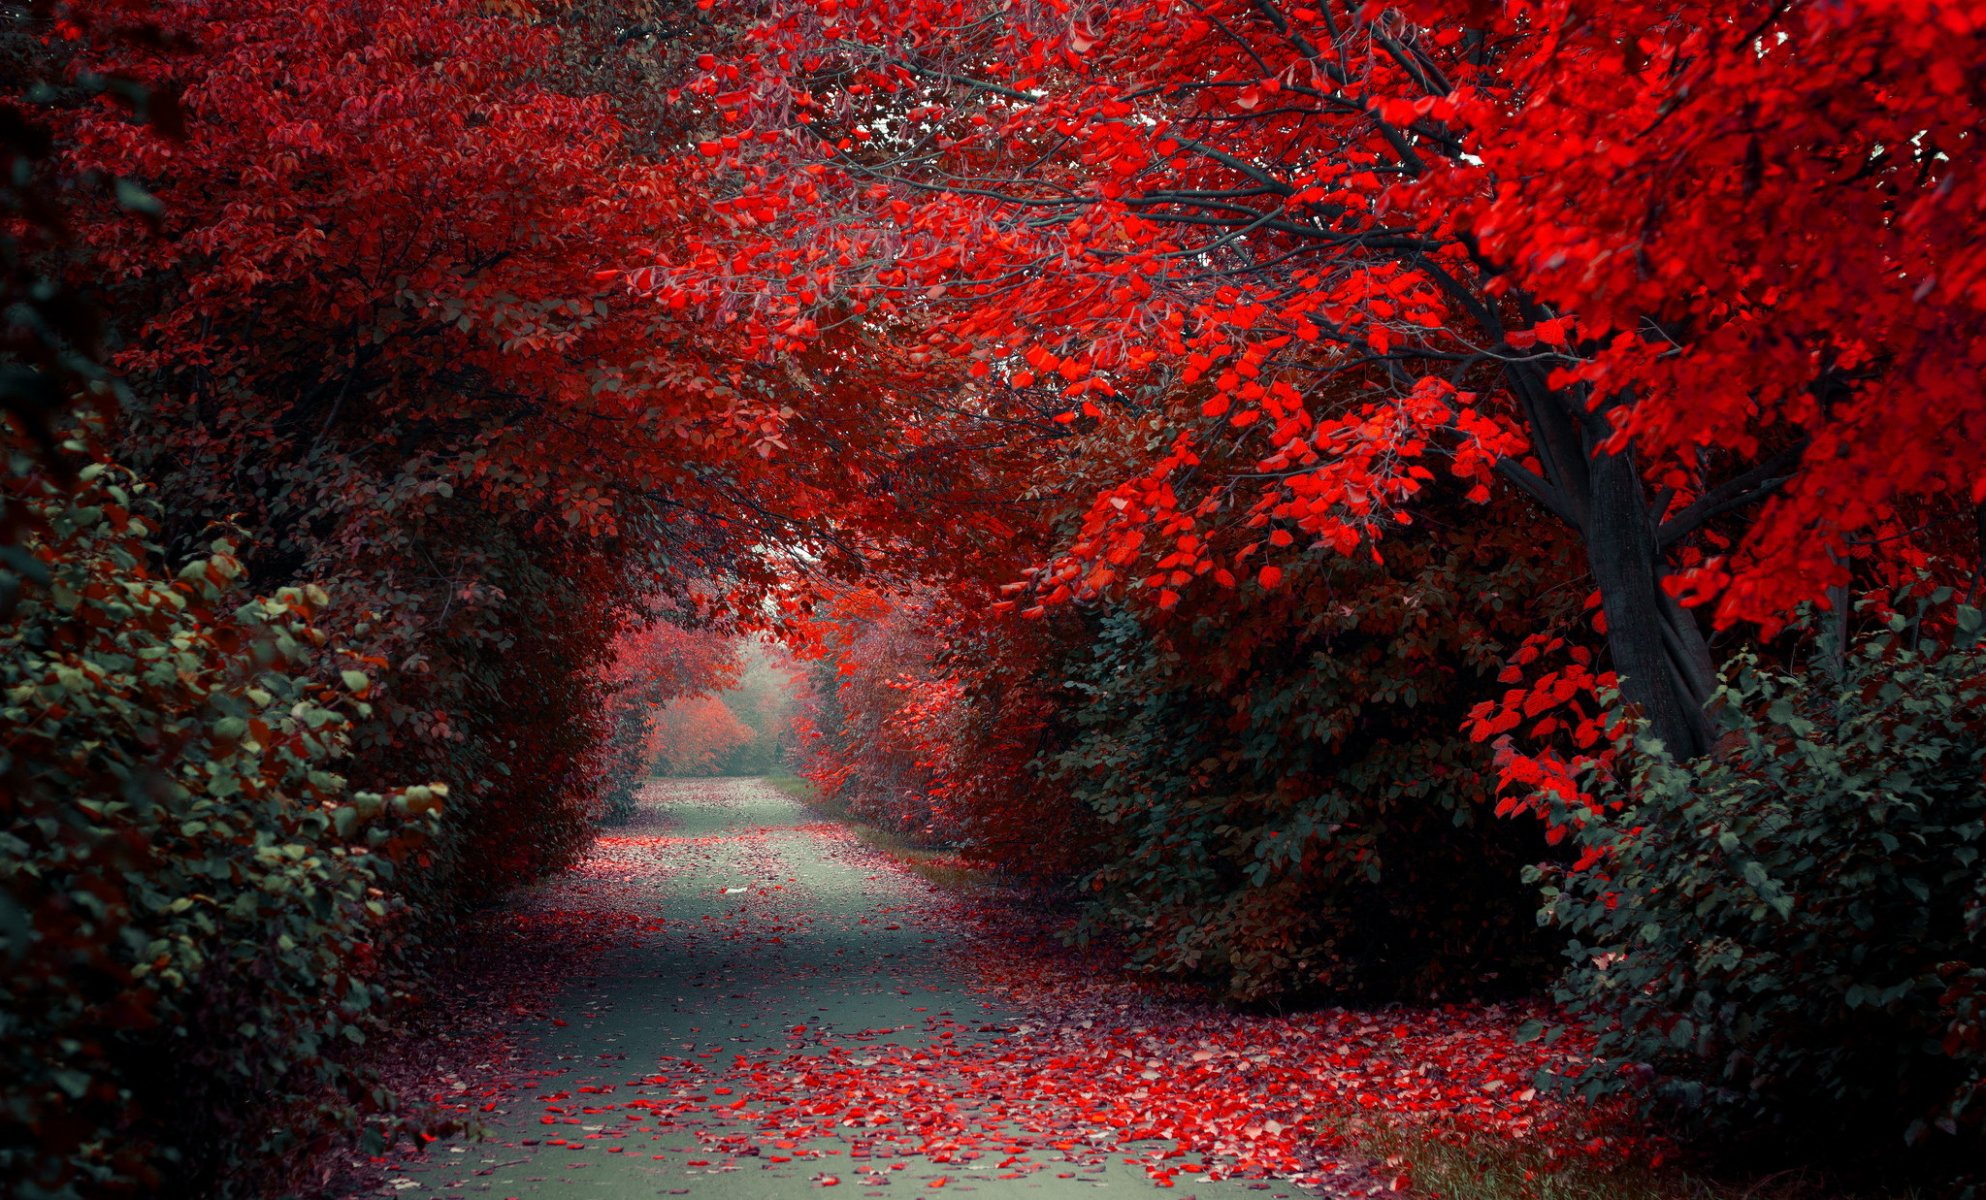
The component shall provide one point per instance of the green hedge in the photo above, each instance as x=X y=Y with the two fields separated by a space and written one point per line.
x=1790 y=934
x=193 y=903
x=1286 y=803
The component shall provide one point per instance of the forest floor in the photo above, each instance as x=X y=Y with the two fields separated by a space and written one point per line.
x=735 y=998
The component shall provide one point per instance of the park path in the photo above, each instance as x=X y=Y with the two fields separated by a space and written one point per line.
x=753 y=1004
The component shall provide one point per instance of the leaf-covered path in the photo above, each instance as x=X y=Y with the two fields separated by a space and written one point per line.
x=757 y=961
x=732 y=998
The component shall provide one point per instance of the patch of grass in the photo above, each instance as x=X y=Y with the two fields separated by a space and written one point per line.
x=936 y=866
x=795 y=787
x=939 y=867
x=1491 y=1169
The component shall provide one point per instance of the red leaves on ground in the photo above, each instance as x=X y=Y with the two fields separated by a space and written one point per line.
x=1063 y=1067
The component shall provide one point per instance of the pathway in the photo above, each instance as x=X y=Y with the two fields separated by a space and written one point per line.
x=759 y=1006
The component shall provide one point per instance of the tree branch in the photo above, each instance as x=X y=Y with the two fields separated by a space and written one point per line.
x=1538 y=488
x=1734 y=493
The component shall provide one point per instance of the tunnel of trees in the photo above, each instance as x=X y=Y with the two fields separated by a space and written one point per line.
x=1361 y=502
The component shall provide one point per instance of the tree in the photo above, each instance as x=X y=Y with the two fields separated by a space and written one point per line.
x=382 y=330
x=193 y=898
x=762 y=698
x=52 y=344
x=925 y=713
x=1700 y=280
x=653 y=667
x=368 y=324
x=695 y=736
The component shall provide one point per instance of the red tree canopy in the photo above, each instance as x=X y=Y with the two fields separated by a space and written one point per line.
x=1704 y=281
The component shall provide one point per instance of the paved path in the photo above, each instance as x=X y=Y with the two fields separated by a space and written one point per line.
x=736 y=961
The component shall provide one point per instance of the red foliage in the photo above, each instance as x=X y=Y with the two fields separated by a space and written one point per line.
x=380 y=332
x=695 y=736
x=356 y=239
x=661 y=661
x=922 y=717
x=835 y=317
x=1703 y=281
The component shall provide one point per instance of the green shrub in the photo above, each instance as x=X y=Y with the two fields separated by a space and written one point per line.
x=194 y=906
x=1286 y=803
x=626 y=759
x=1790 y=933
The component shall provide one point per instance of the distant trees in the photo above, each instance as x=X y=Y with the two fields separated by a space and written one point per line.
x=695 y=702
x=655 y=669
x=699 y=736
x=923 y=717
x=762 y=700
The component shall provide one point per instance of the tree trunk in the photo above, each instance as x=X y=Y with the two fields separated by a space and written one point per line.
x=1664 y=664
x=1666 y=672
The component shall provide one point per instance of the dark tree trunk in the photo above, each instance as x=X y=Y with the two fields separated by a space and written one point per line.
x=1979 y=532
x=1659 y=651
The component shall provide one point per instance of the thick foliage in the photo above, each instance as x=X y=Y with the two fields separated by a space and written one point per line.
x=654 y=668
x=1792 y=932
x=861 y=754
x=491 y=456
x=1288 y=803
x=697 y=736
x=1146 y=308
x=193 y=901
x=1541 y=245
x=927 y=720
x=366 y=396
x=361 y=323
x=52 y=344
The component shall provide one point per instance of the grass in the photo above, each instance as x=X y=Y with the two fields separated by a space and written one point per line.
x=938 y=867
x=795 y=787
x=1489 y=1170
